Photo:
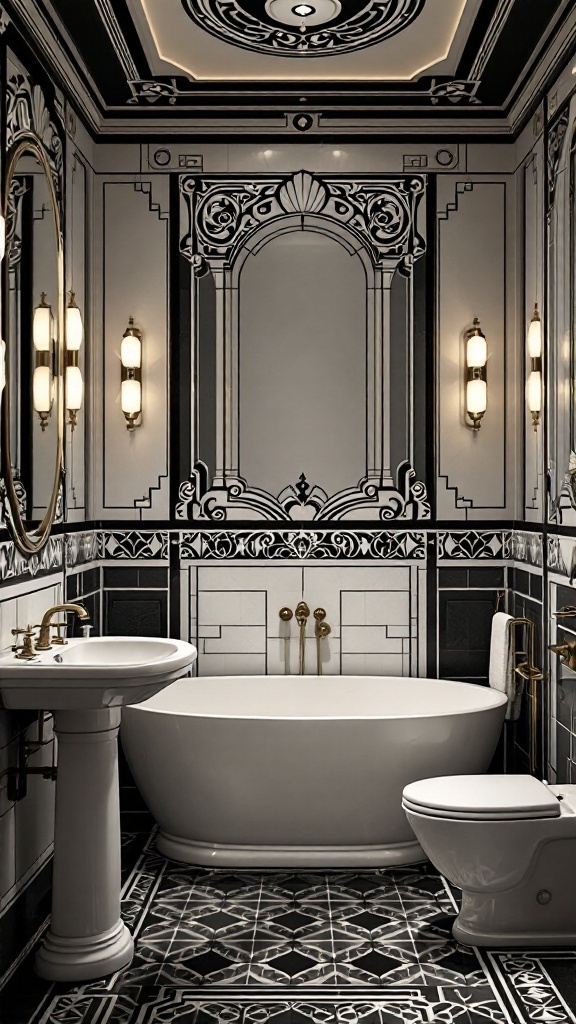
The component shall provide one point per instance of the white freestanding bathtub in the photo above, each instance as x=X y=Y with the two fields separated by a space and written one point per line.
x=294 y=771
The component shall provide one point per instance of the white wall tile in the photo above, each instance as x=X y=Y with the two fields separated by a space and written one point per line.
x=232 y=664
x=368 y=640
x=238 y=640
x=232 y=608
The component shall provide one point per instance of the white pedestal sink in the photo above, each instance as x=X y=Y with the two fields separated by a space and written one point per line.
x=85 y=683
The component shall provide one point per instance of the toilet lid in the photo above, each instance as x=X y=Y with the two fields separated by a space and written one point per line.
x=482 y=796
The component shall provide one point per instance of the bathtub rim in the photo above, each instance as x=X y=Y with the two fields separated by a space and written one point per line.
x=499 y=700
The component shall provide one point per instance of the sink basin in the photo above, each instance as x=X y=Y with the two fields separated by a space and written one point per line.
x=93 y=673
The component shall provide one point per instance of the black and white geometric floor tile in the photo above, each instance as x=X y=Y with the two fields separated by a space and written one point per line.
x=283 y=947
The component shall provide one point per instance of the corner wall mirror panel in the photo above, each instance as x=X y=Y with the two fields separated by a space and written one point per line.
x=306 y=305
x=562 y=313
x=33 y=323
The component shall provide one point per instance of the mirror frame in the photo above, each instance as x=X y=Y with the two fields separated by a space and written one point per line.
x=30 y=542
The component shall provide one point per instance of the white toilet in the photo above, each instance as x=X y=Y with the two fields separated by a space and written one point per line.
x=509 y=842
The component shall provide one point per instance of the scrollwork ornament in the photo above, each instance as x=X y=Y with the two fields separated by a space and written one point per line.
x=380 y=212
x=27 y=112
x=359 y=26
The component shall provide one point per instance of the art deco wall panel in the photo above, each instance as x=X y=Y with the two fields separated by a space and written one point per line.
x=376 y=613
x=133 y=478
x=475 y=275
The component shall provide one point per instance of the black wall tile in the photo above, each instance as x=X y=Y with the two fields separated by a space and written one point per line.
x=136 y=613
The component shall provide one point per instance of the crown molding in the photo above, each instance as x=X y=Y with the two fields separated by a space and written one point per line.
x=548 y=68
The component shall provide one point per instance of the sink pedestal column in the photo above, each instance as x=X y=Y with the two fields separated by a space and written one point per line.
x=86 y=938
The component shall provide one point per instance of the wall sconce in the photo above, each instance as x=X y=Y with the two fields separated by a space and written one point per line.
x=42 y=383
x=2 y=342
x=476 y=389
x=131 y=386
x=2 y=365
x=534 y=385
x=74 y=382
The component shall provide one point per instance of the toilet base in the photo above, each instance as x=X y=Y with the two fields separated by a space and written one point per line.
x=469 y=937
x=516 y=918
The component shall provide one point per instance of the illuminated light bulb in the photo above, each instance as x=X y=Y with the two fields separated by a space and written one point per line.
x=476 y=397
x=42 y=326
x=476 y=350
x=534 y=391
x=535 y=335
x=131 y=350
x=74 y=388
x=74 y=326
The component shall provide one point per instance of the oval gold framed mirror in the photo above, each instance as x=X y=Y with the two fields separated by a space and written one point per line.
x=32 y=413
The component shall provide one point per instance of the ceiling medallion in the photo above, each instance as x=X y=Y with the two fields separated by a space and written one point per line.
x=287 y=28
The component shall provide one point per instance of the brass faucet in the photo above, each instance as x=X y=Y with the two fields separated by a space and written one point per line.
x=27 y=650
x=44 y=640
x=567 y=652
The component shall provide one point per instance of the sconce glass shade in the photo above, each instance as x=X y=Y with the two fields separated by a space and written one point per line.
x=534 y=391
x=42 y=326
x=535 y=335
x=2 y=366
x=476 y=350
x=42 y=389
x=74 y=326
x=74 y=388
x=131 y=347
x=476 y=397
x=131 y=397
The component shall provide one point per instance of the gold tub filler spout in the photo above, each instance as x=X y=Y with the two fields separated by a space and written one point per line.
x=321 y=631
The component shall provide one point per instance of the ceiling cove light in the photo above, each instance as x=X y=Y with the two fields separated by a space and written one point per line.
x=289 y=13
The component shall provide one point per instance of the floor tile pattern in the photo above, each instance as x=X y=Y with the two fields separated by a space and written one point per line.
x=306 y=947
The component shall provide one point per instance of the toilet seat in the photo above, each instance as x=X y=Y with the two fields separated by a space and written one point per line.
x=482 y=798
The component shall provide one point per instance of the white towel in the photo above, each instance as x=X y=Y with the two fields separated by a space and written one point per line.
x=501 y=674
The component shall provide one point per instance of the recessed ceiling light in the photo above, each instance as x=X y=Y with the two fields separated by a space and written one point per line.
x=304 y=10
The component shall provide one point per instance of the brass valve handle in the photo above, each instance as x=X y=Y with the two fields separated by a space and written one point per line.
x=302 y=613
x=286 y=614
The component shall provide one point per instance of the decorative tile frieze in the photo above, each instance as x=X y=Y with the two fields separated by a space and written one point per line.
x=303 y=544
x=83 y=547
x=474 y=544
x=556 y=560
x=14 y=565
x=527 y=547
x=120 y=544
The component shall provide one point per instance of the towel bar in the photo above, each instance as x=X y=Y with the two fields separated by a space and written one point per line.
x=527 y=670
